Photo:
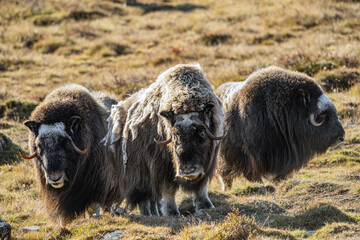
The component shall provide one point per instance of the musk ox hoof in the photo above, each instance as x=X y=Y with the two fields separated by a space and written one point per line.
x=171 y=212
x=203 y=204
x=267 y=190
x=145 y=208
x=117 y=211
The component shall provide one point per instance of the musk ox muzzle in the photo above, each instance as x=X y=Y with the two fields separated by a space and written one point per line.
x=56 y=179
x=190 y=172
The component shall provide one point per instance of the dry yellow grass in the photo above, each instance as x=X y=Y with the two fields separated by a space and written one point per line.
x=104 y=45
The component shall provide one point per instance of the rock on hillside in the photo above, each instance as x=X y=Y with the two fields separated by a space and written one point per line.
x=5 y=230
x=4 y=143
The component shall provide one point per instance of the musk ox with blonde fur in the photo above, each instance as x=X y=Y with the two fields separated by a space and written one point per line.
x=74 y=170
x=167 y=136
x=276 y=120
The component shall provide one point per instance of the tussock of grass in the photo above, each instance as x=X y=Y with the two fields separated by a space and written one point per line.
x=213 y=39
x=47 y=20
x=338 y=230
x=270 y=38
x=13 y=64
x=109 y=49
x=19 y=110
x=50 y=45
x=85 y=15
x=339 y=79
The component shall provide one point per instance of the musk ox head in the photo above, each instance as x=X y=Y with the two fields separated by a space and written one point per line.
x=190 y=142
x=325 y=124
x=54 y=149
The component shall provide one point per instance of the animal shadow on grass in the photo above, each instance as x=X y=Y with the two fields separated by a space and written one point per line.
x=148 y=8
x=264 y=213
x=188 y=215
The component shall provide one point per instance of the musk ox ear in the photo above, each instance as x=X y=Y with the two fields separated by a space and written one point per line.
x=169 y=115
x=33 y=126
x=73 y=124
x=305 y=97
x=206 y=113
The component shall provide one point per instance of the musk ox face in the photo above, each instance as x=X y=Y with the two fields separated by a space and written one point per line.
x=190 y=143
x=55 y=151
x=325 y=124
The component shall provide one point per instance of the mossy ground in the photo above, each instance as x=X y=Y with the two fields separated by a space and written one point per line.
x=105 y=45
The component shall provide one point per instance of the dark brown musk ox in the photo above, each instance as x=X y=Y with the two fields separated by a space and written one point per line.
x=167 y=135
x=276 y=120
x=74 y=170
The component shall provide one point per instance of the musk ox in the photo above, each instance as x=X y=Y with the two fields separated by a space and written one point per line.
x=74 y=170
x=276 y=120
x=181 y=109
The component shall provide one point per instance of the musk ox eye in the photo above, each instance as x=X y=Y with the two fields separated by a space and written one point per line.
x=321 y=117
x=202 y=134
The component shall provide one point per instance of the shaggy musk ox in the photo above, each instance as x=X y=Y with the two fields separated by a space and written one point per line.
x=74 y=170
x=166 y=136
x=276 y=120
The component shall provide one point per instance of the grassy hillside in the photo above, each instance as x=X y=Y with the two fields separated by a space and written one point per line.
x=105 y=45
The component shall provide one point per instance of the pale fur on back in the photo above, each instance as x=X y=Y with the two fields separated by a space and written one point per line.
x=181 y=89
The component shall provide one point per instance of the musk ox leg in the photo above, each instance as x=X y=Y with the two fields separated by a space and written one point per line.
x=226 y=182
x=145 y=208
x=169 y=207
x=202 y=200
x=93 y=211
x=154 y=208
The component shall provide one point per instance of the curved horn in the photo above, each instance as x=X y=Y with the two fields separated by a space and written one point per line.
x=81 y=152
x=163 y=142
x=211 y=136
x=313 y=122
x=27 y=157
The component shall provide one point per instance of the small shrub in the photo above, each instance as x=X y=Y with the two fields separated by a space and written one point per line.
x=270 y=38
x=338 y=80
x=47 y=20
x=109 y=49
x=161 y=60
x=19 y=110
x=86 y=15
x=213 y=39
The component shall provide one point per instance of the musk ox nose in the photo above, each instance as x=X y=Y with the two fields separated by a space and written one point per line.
x=191 y=172
x=56 y=180
x=55 y=177
x=342 y=138
x=187 y=170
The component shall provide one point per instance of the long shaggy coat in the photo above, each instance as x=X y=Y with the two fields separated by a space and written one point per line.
x=267 y=118
x=135 y=122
